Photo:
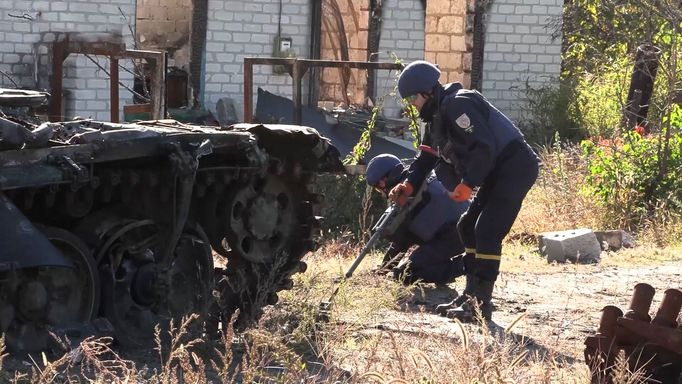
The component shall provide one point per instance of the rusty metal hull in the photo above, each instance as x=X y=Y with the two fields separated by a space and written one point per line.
x=150 y=204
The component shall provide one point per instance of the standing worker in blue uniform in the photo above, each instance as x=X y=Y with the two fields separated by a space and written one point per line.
x=431 y=225
x=465 y=130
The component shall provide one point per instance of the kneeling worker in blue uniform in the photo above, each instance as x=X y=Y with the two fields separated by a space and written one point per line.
x=465 y=130
x=431 y=225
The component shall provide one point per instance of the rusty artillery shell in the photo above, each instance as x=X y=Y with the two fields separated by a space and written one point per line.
x=641 y=302
x=667 y=313
x=607 y=323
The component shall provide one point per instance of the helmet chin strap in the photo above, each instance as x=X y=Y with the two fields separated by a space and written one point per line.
x=432 y=106
x=395 y=176
x=435 y=96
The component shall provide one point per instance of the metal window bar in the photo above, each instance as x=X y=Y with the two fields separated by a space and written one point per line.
x=297 y=69
x=115 y=51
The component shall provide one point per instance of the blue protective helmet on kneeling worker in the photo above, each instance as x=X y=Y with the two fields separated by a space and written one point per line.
x=384 y=165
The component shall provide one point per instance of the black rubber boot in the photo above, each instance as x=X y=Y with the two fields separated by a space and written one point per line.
x=457 y=267
x=470 y=287
x=481 y=300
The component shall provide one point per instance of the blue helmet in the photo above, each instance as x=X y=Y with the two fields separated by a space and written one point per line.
x=381 y=166
x=418 y=77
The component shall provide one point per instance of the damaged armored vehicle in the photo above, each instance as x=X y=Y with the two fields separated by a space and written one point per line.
x=122 y=221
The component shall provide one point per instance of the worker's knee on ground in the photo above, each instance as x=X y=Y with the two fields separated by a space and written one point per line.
x=422 y=270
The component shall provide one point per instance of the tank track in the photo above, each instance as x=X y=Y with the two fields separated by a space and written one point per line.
x=246 y=283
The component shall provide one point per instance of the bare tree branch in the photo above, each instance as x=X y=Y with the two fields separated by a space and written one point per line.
x=120 y=83
x=10 y=78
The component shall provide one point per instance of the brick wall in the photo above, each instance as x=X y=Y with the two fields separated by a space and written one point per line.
x=402 y=32
x=165 y=25
x=519 y=48
x=446 y=22
x=354 y=14
x=22 y=42
x=238 y=29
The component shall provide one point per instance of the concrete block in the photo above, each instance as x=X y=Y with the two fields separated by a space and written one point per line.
x=536 y=68
x=532 y=19
x=505 y=9
x=522 y=9
x=241 y=37
x=260 y=38
x=552 y=68
x=505 y=47
x=514 y=19
x=512 y=38
x=14 y=38
x=5 y=47
x=494 y=38
x=521 y=48
x=613 y=240
x=212 y=46
x=222 y=36
x=11 y=59
x=540 y=10
x=577 y=245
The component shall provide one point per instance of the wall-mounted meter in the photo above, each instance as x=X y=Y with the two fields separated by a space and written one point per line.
x=284 y=44
x=282 y=48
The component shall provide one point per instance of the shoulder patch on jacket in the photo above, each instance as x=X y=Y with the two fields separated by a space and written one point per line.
x=463 y=121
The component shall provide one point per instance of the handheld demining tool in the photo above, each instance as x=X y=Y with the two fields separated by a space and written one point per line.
x=389 y=222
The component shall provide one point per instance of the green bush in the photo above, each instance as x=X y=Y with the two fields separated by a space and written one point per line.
x=349 y=206
x=547 y=116
x=634 y=178
x=600 y=97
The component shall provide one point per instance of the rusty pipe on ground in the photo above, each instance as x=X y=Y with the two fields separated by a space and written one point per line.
x=667 y=313
x=651 y=346
x=601 y=349
x=641 y=302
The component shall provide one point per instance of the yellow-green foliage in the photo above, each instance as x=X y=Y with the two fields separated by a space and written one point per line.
x=600 y=97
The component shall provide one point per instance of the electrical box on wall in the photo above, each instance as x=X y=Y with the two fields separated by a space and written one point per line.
x=282 y=48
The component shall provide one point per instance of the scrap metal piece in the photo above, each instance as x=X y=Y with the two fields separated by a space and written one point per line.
x=653 y=347
x=22 y=244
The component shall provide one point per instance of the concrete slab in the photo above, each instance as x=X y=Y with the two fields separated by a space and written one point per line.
x=613 y=240
x=576 y=245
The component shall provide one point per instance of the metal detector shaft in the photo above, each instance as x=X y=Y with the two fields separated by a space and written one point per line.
x=379 y=228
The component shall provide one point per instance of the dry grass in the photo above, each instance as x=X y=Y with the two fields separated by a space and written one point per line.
x=556 y=201
x=363 y=343
x=559 y=201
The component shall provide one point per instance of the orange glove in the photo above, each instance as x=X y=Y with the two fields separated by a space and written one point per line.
x=461 y=193
x=400 y=193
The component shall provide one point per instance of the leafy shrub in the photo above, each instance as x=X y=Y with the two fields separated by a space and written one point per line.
x=636 y=176
x=547 y=116
x=600 y=97
x=348 y=206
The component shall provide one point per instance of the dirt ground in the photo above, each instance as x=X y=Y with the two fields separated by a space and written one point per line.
x=380 y=326
x=559 y=306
